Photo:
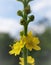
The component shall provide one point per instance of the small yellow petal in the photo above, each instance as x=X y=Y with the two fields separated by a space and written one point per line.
x=30 y=60
x=36 y=48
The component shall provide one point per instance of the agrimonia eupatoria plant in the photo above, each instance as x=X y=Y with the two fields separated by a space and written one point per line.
x=27 y=40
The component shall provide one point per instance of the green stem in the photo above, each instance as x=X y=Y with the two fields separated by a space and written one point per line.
x=25 y=51
x=25 y=56
x=25 y=30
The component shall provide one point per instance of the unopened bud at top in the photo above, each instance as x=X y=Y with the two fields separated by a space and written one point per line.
x=27 y=9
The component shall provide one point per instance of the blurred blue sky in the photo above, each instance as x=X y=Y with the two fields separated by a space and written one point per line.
x=9 y=21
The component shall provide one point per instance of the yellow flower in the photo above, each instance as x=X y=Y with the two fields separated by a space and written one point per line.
x=16 y=48
x=31 y=42
x=21 y=61
x=30 y=60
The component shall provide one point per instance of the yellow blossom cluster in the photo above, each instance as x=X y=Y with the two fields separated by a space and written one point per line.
x=30 y=60
x=29 y=41
x=16 y=48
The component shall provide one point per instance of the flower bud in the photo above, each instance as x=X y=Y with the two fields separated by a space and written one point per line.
x=22 y=22
x=22 y=33
x=27 y=9
x=31 y=18
x=20 y=13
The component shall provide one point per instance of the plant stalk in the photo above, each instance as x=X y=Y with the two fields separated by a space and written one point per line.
x=25 y=51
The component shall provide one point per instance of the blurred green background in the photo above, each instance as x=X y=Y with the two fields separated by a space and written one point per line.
x=42 y=57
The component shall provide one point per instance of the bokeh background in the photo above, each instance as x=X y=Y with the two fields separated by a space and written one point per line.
x=10 y=28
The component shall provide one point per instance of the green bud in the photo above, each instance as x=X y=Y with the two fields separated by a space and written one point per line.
x=31 y=18
x=20 y=13
x=27 y=9
x=22 y=22
x=22 y=33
